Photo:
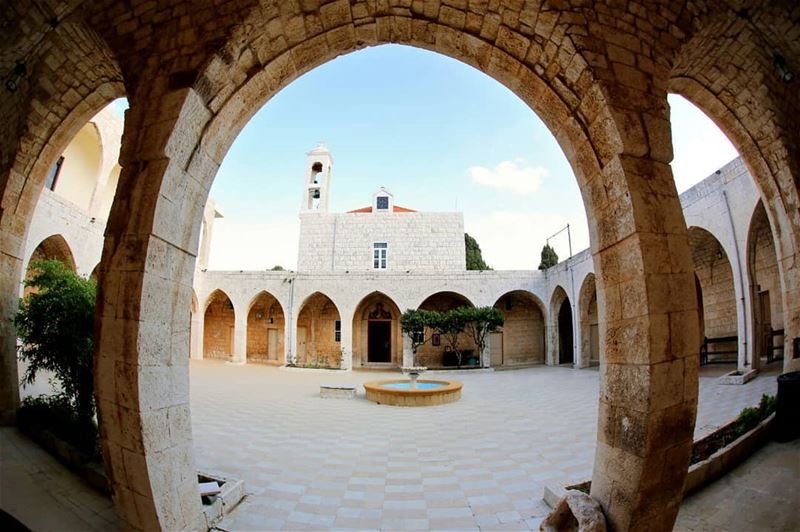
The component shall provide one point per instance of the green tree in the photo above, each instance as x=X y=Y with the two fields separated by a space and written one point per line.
x=474 y=256
x=277 y=268
x=549 y=257
x=414 y=323
x=481 y=322
x=56 y=325
x=450 y=325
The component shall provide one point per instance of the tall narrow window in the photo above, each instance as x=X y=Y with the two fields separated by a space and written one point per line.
x=379 y=255
x=52 y=177
x=337 y=331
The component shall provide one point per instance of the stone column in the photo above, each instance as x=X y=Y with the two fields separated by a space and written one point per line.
x=346 y=343
x=240 y=337
x=196 y=334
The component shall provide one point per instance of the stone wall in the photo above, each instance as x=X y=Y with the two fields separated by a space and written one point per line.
x=265 y=331
x=417 y=241
x=218 y=328
x=522 y=336
x=317 y=344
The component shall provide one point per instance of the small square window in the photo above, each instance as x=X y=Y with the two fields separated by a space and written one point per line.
x=383 y=203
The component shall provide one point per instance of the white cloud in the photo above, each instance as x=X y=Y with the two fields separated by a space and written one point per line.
x=513 y=240
x=254 y=246
x=510 y=175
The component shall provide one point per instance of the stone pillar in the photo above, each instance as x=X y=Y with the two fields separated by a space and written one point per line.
x=10 y=274
x=408 y=352
x=346 y=343
x=240 y=337
x=142 y=343
x=196 y=333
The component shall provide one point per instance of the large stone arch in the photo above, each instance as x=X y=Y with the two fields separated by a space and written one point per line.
x=54 y=247
x=376 y=321
x=71 y=76
x=522 y=339
x=756 y=110
x=219 y=326
x=608 y=116
x=718 y=300
x=589 y=322
x=763 y=272
x=436 y=353
x=266 y=324
x=318 y=333
x=561 y=329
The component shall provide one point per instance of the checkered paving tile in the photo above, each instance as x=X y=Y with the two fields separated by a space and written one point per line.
x=480 y=463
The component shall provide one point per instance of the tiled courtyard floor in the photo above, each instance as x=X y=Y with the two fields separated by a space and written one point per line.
x=480 y=463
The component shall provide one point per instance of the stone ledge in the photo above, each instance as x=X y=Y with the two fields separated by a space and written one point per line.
x=735 y=377
x=337 y=391
x=231 y=495
x=700 y=474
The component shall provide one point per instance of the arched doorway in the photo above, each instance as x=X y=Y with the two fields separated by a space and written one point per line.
x=53 y=247
x=717 y=297
x=562 y=343
x=319 y=333
x=219 y=321
x=566 y=343
x=590 y=322
x=437 y=353
x=762 y=263
x=377 y=338
x=265 y=327
x=521 y=340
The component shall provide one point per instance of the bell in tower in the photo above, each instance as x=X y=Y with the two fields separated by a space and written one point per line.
x=318 y=178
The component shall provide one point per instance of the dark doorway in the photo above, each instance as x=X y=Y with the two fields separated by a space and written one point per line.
x=380 y=341
x=565 y=342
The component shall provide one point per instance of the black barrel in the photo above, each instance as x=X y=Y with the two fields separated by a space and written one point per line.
x=787 y=408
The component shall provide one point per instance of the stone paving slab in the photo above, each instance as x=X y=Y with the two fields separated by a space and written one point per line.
x=480 y=463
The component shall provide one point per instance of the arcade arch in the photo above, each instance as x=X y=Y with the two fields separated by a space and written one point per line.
x=377 y=337
x=318 y=335
x=589 y=322
x=219 y=322
x=265 y=330
x=521 y=340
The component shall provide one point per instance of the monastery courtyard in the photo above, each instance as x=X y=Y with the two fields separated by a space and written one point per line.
x=312 y=463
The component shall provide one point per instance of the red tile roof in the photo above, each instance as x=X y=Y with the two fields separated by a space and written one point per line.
x=396 y=208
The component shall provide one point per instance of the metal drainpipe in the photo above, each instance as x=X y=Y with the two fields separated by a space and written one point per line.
x=575 y=318
x=290 y=343
x=739 y=277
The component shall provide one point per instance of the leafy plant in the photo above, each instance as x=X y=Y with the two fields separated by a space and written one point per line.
x=56 y=325
x=414 y=324
x=483 y=321
x=478 y=322
x=56 y=415
x=473 y=253
x=549 y=257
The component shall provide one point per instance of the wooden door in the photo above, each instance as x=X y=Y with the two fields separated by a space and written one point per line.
x=301 y=345
x=272 y=344
x=496 y=348
x=765 y=323
x=594 y=342
x=379 y=341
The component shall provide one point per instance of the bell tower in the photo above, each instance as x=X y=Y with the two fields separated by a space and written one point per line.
x=317 y=181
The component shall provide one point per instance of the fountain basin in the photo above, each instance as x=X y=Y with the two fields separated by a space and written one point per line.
x=398 y=392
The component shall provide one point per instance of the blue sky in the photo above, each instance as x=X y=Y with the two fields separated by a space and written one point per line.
x=437 y=133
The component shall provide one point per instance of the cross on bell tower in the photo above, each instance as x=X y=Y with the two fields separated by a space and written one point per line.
x=318 y=179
